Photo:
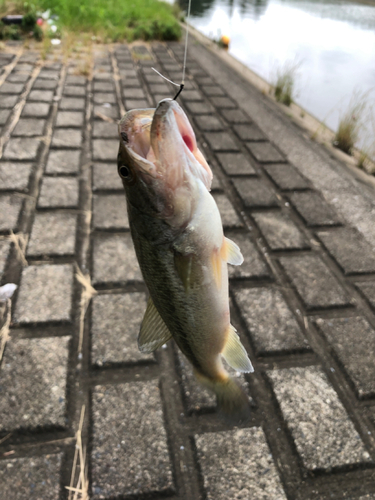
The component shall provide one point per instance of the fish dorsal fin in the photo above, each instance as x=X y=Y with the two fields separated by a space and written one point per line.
x=235 y=354
x=154 y=332
x=231 y=252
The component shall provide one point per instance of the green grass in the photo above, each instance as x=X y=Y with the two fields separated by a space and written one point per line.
x=110 y=20
x=350 y=123
x=284 y=87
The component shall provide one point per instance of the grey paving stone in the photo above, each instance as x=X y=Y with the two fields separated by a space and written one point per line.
x=46 y=74
x=115 y=260
x=236 y=164
x=215 y=185
x=313 y=209
x=67 y=138
x=40 y=96
x=69 y=119
x=4 y=253
x=73 y=103
x=255 y=193
x=160 y=88
x=31 y=478
x=42 y=84
x=29 y=127
x=105 y=177
x=199 y=108
x=134 y=93
x=105 y=150
x=116 y=321
x=75 y=80
x=59 y=192
x=280 y=232
x=352 y=340
x=228 y=214
x=8 y=101
x=191 y=95
x=314 y=282
x=45 y=294
x=15 y=77
x=131 y=437
x=264 y=152
x=128 y=73
x=286 y=177
x=136 y=104
x=235 y=116
x=105 y=97
x=15 y=176
x=105 y=129
x=223 y=102
x=253 y=266
x=350 y=250
x=104 y=86
x=238 y=464
x=249 y=132
x=33 y=381
x=220 y=141
x=204 y=80
x=107 y=110
x=10 y=208
x=324 y=435
x=21 y=149
x=4 y=114
x=63 y=162
x=130 y=82
x=11 y=88
x=53 y=233
x=271 y=324
x=110 y=212
x=213 y=90
x=74 y=91
x=208 y=123
x=196 y=397
x=36 y=110
x=367 y=289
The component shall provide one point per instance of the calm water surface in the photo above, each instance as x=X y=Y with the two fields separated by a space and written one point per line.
x=332 y=42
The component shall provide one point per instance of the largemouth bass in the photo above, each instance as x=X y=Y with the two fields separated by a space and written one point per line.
x=181 y=249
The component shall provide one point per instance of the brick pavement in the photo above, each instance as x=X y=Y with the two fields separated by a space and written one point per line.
x=303 y=301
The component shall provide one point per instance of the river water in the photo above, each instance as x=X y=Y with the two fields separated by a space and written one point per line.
x=331 y=44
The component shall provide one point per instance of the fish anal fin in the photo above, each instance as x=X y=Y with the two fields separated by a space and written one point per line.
x=216 y=261
x=231 y=252
x=235 y=354
x=154 y=332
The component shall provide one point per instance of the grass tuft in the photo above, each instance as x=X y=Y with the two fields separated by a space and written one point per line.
x=350 y=124
x=284 y=87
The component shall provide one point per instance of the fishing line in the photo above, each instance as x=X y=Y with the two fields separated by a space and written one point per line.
x=182 y=84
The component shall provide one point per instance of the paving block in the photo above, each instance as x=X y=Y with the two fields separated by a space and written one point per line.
x=105 y=177
x=33 y=381
x=74 y=90
x=10 y=208
x=314 y=282
x=42 y=84
x=4 y=114
x=115 y=324
x=313 y=209
x=73 y=103
x=352 y=340
x=221 y=141
x=59 y=192
x=280 y=232
x=264 y=152
x=253 y=266
x=8 y=101
x=16 y=77
x=4 y=253
x=104 y=86
x=110 y=212
x=132 y=93
x=249 y=132
x=228 y=214
x=136 y=104
x=213 y=90
x=324 y=435
x=105 y=129
x=67 y=138
x=36 y=110
x=238 y=464
x=63 y=162
x=236 y=164
x=270 y=323
x=31 y=478
x=46 y=74
x=29 y=127
x=45 y=294
x=209 y=123
x=75 y=80
x=160 y=88
x=286 y=177
x=350 y=250
x=223 y=102
x=21 y=149
x=367 y=289
x=130 y=82
x=255 y=193
x=11 y=88
x=205 y=80
x=131 y=438
x=105 y=97
x=41 y=95
x=235 y=115
x=199 y=108
x=53 y=233
x=115 y=260
x=105 y=150
x=191 y=95
x=15 y=176
x=69 y=119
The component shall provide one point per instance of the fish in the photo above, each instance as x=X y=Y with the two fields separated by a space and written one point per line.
x=181 y=249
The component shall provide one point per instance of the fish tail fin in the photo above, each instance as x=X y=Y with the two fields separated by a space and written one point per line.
x=232 y=401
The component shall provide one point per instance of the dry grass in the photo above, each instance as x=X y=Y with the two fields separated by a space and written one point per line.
x=351 y=123
x=284 y=87
x=81 y=490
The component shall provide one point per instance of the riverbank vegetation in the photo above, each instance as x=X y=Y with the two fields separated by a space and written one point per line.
x=284 y=86
x=107 y=20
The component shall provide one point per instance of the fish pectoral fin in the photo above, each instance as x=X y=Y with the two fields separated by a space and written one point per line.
x=216 y=262
x=184 y=268
x=231 y=252
x=154 y=332
x=235 y=354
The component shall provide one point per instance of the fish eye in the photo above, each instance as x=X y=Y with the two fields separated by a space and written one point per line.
x=125 y=172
